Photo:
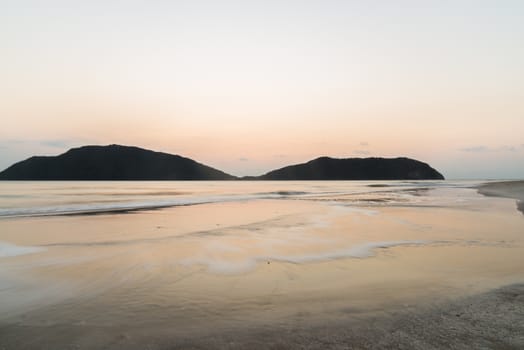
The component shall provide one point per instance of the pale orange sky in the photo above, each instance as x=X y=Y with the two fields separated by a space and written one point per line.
x=250 y=87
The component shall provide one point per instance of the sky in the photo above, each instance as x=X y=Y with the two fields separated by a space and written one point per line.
x=250 y=86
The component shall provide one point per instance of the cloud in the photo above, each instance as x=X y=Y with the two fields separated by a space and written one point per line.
x=507 y=149
x=485 y=149
x=242 y=159
x=57 y=143
x=14 y=142
x=361 y=152
x=364 y=144
x=476 y=149
x=53 y=143
x=66 y=143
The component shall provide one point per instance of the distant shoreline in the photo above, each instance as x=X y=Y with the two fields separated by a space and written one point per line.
x=505 y=189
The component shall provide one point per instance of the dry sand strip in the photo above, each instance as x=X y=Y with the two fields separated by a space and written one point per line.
x=492 y=320
x=506 y=189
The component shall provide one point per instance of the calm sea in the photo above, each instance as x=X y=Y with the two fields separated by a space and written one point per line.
x=34 y=198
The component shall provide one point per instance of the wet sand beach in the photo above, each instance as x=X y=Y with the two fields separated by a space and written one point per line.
x=490 y=320
x=312 y=265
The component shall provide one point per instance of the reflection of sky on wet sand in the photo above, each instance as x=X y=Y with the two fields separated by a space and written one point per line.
x=240 y=263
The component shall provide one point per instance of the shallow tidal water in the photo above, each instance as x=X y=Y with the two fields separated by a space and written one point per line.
x=149 y=264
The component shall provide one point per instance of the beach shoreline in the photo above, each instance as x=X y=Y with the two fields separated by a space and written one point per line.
x=505 y=189
x=489 y=320
x=420 y=269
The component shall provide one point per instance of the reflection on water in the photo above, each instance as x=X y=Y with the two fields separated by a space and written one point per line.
x=26 y=198
x=239 y=254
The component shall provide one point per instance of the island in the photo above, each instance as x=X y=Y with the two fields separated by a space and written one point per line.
x=116 y=162
x=326 y=168
x=113 y=162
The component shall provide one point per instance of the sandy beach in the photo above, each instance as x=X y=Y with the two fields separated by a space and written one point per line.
x=279 y=266
x=491 y=320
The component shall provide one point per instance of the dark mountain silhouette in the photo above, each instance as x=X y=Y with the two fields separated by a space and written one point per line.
x=117 y=162
x=325 y=168
x=112 y=162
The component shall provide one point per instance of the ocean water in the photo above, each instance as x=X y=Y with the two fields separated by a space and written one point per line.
x=130 y=264
x=37 y=198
